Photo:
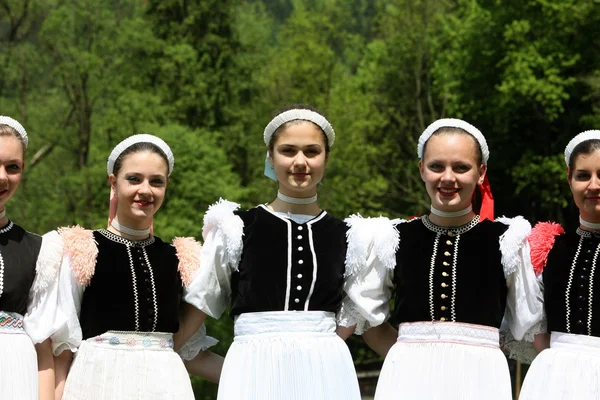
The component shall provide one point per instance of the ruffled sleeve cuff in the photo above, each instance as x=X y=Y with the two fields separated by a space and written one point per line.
x=197 y=343
x=349 y=315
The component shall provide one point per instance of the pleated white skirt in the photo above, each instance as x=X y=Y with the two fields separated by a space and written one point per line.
x=569 y=369
x=18 y=360
x=288 y=356
x=128 y=366
x=445 y=361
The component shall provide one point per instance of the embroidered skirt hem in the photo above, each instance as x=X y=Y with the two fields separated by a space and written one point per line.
x=128 y=366
x=18 y=360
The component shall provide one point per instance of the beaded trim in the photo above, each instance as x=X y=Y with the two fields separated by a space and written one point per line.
x=7 y=227
x=445 y=230
x=591 y=289
x=454 y=263
x=583 y=234
x=155 y=303
x=135 y=291
x=431 y=275
x=587 y=234
x=131 y=243
x=450 y=232
x=3 y=230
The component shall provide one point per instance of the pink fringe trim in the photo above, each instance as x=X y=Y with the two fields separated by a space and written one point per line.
x=541 y=239
x=188 y=252
x=82 y=249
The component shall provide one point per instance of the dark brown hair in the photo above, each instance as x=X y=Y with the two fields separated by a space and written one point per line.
x=295 y=122
x=447 y=130
x=587 y=147
x=138 y=148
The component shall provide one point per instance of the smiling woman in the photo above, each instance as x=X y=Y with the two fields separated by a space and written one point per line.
x=24 y=272
x=121 y=289
x=569 y=368
x=457 y=278
x=281 y=268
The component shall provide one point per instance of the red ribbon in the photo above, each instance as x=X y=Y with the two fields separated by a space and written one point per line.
x=487 y=201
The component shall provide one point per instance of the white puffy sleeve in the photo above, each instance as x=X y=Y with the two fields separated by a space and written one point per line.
x=370 y=262
x=54 y=305
x=210 y=288
x=188 y=252
x=42 y=317
x=524 y=317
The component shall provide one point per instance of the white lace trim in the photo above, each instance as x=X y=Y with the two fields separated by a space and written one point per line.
x=522 y=350
x=456 y=332
x=197 y=343
x=512 y=241
x=348 y=315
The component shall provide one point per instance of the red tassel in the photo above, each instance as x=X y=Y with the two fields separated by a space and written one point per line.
x=541 y=240
x=487 y=201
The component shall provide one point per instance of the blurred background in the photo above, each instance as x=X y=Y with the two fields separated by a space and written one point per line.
x=208 y=75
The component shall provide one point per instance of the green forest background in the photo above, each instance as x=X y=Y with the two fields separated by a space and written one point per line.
x=207 y=76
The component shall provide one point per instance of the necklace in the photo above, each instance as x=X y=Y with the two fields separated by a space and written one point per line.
x=296 y=200
x=129 y=231
x=589 y=225
x=452 y=214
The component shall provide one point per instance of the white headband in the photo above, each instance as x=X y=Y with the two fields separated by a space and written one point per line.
x=454 y=123
x=304 y=115
x=13 y=123
x=582 y=137
x=143 y=138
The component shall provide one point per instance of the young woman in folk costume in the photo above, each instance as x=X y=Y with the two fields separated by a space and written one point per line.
x=24 y=272
x=456 y=275
x=281 y=267
x=120 y=290
x=570 y=368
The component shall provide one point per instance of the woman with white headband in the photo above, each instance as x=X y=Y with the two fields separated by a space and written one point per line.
x=280 y=266
x=24 y=273
x=120 y=290
x=457 y=276
x=569 y=368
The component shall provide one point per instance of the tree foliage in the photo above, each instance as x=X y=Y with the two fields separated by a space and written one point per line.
x=208 y=75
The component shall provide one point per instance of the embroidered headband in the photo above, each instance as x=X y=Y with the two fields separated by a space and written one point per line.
x=454 y=123
x=143 y=138
x=13 y=123
x=294 y=115
x=582 y=137
x=298 y=114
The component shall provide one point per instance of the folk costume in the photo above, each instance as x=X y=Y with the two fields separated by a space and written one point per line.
x=282 y=275
x=23 y=273
x=455 y=287
x=119 y=305
x=569 y=369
